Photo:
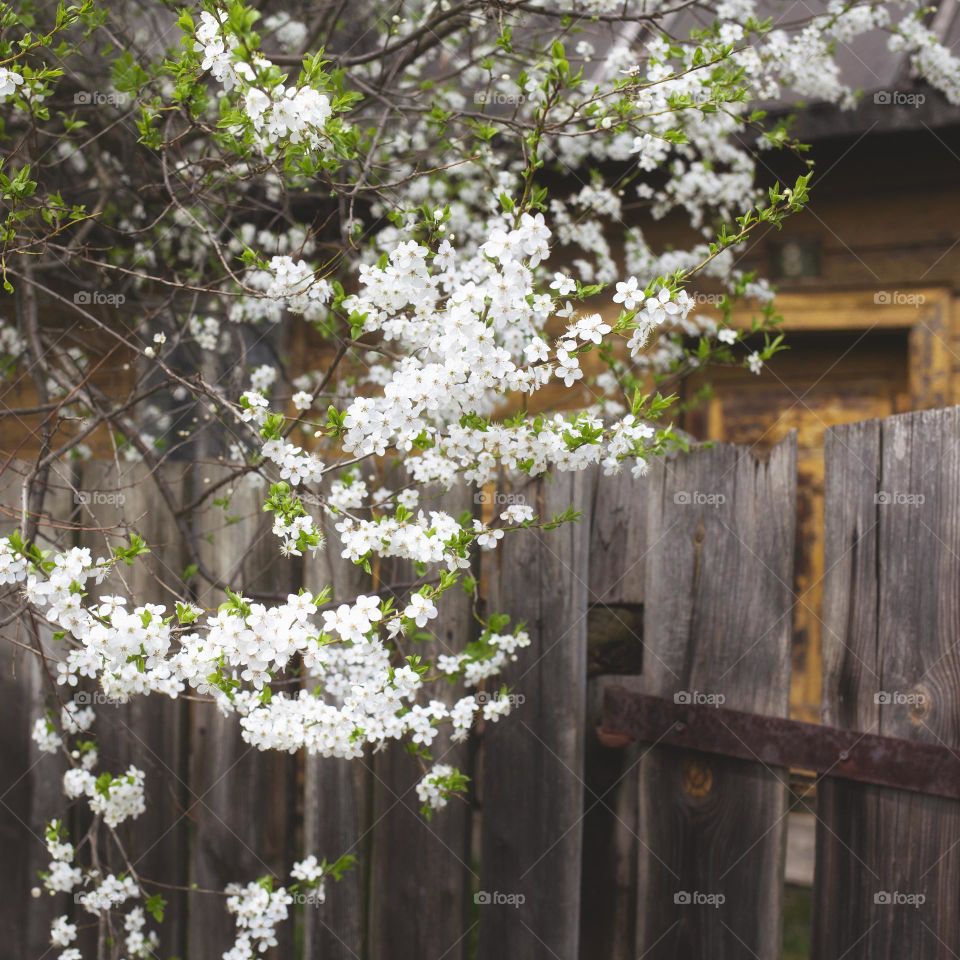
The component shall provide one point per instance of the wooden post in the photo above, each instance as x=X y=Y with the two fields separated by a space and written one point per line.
x=532 y=778
x=30 y=781
x=717 y=624
x=618 y=530
x=336 y=814
x=421 y=870
x=241 y=799
x=888 y=861
x=148 y=732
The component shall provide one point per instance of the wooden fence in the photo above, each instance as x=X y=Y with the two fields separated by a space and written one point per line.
x=574 y=844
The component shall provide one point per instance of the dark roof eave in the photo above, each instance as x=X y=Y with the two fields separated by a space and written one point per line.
x=876 y=112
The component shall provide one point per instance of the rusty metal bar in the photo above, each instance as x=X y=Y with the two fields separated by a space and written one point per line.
x=776 y=741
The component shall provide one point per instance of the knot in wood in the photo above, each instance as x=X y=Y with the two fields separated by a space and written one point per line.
x=697 y=778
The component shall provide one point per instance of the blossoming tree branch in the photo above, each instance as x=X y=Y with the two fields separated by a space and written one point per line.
x=437 y=193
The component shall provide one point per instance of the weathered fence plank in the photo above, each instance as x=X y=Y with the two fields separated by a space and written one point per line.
x=717 y=623
x=241 y=799
x=888 y=861
x=654 y=851
x=610 y=822
x=336 y=796
x=431 y=910
x=148 y=732
x=618 y=530
x=30 y=791
x=532 y=778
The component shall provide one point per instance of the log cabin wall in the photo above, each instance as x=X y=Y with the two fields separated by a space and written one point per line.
x=869 y=288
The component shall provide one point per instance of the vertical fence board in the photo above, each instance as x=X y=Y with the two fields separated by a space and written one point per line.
x=610 y=822
x=421 y=869
x=618 y=540
x=532 y=784
x=241 y=799
x=717 y=622
x=618 y=529
x=30 y=792
x=147 y=732
x=892 y=615
x=336 y=808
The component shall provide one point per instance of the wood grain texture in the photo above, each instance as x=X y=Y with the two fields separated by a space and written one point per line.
x=336 y=809
x=30 y=793
x=608 y=886
x=618 y=544
x=532 y=787
x=891 y=619
x=241 y=800
x=148 y=732
x=618 y=547
x=717 y=622
x=421 y=870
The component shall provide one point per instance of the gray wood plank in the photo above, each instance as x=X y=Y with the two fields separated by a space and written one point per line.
x=532 y=778
x=336 y=814
x=421 y=870
x=610 y=822
x=30 y=791
x=241 y=800
x=891 y=666
x=717 y=623
x=618 y=531
x=148 y=732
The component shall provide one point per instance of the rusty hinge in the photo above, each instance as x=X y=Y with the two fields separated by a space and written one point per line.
x=779 y=742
